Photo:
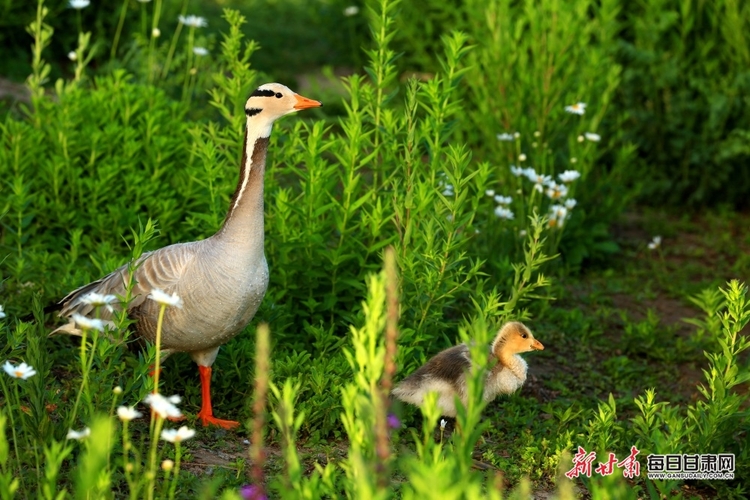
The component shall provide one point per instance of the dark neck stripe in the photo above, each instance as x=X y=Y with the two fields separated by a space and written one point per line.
x=263 y=93
x=252 y=111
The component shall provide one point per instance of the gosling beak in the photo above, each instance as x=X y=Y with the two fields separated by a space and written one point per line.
x=537 y=345
x=304 y=102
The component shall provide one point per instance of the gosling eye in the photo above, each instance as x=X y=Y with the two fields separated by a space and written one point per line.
x=278 y=95
x=524 y=335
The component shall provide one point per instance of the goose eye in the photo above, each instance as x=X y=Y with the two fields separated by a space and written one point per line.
x=524 y=336
x=278 y=95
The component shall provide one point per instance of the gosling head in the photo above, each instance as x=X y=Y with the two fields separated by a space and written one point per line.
x=514 y=338
x=271 y=101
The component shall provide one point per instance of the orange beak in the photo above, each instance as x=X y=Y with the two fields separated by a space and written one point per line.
x=537 y=345
x=304 y=102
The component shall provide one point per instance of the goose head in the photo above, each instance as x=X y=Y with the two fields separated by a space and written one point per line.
x=271 y=101
x=514 y=338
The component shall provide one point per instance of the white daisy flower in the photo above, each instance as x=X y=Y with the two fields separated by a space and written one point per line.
x=506 y=137
x=99 y=300
x=558 y=213
x=489 y=192
x=352 y=10
x=193 y=21
x=78 y=435
x=72 y=55
x=655 y=243
x=570 y=203
x=504 y=213
x=593 y=137
x=200 y=51
x=539 y=180
x=128 y=413
x=557 y=191
x=79 y=4
x=530 y=173
x=503 y=200
x=164 y=298
x=163 y=407
x=88 y=323
x=22 y=371
x=578 y=108
x=517 y=171
x=522 y=157
x=443 y=423
x=177 y=435
x=2 y=313
x=569 y=176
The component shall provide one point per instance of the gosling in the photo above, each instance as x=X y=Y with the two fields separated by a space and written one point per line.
x=446 y=372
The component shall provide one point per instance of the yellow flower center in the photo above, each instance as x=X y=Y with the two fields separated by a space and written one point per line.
x=18 y=373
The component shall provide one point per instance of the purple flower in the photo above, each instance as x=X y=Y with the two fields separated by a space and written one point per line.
x=393 y=421
x=252 y=492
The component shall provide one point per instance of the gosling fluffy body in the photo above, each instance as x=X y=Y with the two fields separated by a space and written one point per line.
x=446 y=372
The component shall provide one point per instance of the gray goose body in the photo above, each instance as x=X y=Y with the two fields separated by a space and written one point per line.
x=222 y=279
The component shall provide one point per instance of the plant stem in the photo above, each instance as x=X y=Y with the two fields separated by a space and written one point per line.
x=84 y=332
x=159 y=324
x=173 y=44
x=154 y=447
x=13 y=427
x=176 y=472
x=119 y=29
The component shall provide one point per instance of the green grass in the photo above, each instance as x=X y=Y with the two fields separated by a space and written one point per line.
x=135 y=154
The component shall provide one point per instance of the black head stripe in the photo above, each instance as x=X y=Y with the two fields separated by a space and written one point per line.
x=252 y=111
x=263 y=93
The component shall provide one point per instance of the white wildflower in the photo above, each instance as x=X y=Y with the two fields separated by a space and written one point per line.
x=557 y=216
x=88 y=323
x=556 y=191
x=522 y=157
x=593 y=137
x=156 y=32
x=578 y=108
x=72 y=55
x=22 y=371
x=448 y=190
x=517 y=171
x=352 y=10
x=164 y=407
x=99 y=300
x=503 y=200
x=504 y=213
x=200 y=51
x=79 y=4
x=569 y=176
x=177 y=435
x=193 y=21
x=539 y=180
x=489 y=192
x=655 y=243
x=78 y=435
x=167 y=465
x=164 y=298
x=506 y=137
x=128 y=413
x=443 y=423
x=570 y=203
x=2 y=313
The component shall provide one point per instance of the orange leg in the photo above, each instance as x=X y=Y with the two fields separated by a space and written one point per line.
x=206 y=414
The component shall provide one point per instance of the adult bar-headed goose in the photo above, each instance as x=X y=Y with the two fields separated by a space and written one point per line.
x=446 y=372
x=222 y=279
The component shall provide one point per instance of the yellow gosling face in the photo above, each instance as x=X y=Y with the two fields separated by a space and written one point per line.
x=514 y=338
